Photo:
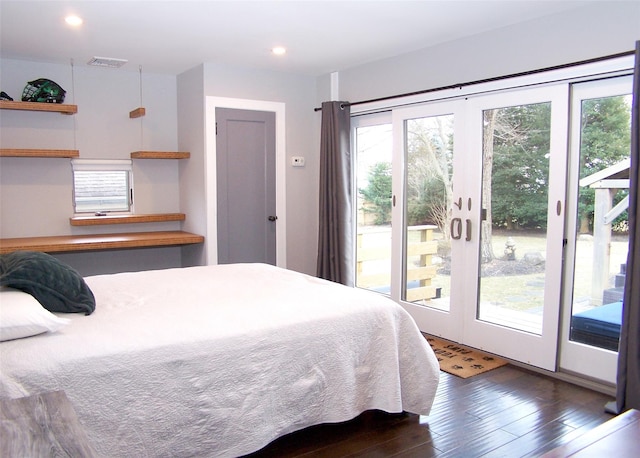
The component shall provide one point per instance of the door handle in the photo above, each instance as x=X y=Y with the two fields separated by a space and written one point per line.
x=455 y=236
x=272 y=218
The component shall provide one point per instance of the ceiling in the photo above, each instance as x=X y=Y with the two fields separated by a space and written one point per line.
x=170 y=37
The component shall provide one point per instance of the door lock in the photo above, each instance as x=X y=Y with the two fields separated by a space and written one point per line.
x=272 y=218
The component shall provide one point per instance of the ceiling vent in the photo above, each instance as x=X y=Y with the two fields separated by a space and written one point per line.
x=107 y=62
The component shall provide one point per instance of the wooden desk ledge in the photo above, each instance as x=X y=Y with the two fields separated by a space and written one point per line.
x=69 y=243
x=93 y=220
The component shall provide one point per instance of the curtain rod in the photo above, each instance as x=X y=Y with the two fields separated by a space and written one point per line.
x=490 y=80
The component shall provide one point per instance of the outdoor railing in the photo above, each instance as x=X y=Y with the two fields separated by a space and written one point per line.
x=420 y=270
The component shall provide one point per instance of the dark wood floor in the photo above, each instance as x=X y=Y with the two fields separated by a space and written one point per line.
x=507 y=412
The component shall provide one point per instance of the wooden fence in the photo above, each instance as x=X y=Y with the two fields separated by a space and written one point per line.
x=420 y=249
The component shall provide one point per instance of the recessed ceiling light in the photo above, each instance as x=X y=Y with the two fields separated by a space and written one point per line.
x=73 y=20
x=279 y=50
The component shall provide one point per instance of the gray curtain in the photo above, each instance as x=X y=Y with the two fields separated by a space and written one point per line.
x=628 y=382
x=335 y=234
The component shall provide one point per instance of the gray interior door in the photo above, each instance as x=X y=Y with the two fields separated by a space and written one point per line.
x=245 y=170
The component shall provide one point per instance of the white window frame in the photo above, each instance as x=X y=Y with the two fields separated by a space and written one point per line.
x=103 y=165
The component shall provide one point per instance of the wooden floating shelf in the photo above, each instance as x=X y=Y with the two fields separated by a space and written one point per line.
x=137 y=113
x=63 y=153
x=39 y=106
x=70 y=243
x=160 y=155
x=125 y=219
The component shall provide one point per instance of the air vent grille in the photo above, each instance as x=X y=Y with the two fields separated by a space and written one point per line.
x=107 y=62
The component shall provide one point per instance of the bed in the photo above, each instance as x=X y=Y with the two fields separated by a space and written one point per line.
x=221 y=360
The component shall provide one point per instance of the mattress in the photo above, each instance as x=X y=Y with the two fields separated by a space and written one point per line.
x=221 y=360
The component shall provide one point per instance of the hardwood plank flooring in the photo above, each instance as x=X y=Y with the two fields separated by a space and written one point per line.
x=507 y=412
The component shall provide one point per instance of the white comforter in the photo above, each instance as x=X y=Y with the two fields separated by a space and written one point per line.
x=220 y=360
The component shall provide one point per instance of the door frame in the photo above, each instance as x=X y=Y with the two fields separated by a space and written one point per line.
x=211 y=103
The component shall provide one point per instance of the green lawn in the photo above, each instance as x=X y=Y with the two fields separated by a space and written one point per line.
x=523 y=292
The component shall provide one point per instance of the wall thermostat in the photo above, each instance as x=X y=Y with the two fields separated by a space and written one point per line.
x=297 y=161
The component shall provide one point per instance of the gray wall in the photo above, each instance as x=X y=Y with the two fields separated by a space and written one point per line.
x=297 y=92
x=191 y=137
x=590 y=31
x=35 y=194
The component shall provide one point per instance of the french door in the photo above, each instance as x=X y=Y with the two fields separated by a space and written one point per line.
x=431 y=171
x=519 y=143
x=498 y=220
x=475 y=231
x=598 y=241
x=499 y=164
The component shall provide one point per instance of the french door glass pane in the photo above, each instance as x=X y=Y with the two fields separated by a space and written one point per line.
x=428 y=202
x=513 y=233
x=601 y=221
x=373 y=184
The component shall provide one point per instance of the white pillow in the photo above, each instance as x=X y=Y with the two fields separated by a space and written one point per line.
x=21 y=315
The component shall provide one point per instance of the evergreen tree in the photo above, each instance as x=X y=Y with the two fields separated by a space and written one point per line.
x=521 y=166
x=377 y=194
x=604 y=140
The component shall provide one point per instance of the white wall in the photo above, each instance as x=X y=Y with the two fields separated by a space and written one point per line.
x=36 y=193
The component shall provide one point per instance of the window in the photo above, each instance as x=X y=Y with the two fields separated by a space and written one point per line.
x=101 y=186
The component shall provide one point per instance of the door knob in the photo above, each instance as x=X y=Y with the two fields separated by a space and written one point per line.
x=272 y=218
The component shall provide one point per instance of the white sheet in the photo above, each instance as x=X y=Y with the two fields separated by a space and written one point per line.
x=220 y=360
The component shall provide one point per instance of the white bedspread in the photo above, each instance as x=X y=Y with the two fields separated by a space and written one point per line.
x=220 y=360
